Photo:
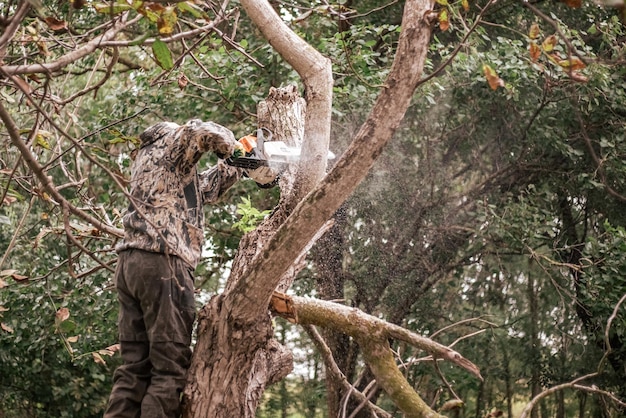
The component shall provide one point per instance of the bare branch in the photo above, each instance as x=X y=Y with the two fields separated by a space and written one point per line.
x=571 y=385
x=16 y=232
x=46 y=181
x=596 y=159
x=114 y=57
x=10 y=30
x=83 y=51
x=610 y=321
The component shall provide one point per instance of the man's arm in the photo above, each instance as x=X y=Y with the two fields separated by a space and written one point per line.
x=215 y=181
x=196 y=138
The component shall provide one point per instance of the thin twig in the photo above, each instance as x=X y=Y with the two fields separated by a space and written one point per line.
x=70 y=236
x=610 y=321
x=15 y=233
x=107 y=75
x=596 y=159
x=337 y=374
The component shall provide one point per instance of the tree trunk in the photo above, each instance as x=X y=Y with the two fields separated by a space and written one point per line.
x=328 y=260
x=507 y=379
x=582 y=404
x=535 y=387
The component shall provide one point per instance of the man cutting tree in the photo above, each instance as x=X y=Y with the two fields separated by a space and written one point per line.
x=161 y=247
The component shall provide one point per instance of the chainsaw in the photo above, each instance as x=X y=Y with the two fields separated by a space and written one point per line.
x=259 y=150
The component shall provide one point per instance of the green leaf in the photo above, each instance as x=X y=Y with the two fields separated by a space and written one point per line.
x=189 y=7
x=162 y=55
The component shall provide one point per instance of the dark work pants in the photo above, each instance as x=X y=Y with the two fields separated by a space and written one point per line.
x=157 y=311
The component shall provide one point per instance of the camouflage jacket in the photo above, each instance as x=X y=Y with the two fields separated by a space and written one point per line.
x=165 y=213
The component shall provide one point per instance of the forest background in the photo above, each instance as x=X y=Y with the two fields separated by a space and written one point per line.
x=493 y=222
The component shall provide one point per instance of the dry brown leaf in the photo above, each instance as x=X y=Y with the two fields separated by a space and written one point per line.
x=98 y=358
x=63 y=314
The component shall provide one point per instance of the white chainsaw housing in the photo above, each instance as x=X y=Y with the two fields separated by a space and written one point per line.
x=278 y=151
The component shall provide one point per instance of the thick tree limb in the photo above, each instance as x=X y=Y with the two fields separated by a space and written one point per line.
x=359 y=325
x=372 y=335
x=233 y=325
x=332 y=368
x=381 y=361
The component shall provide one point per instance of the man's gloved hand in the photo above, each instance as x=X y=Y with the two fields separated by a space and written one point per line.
x=264 y=176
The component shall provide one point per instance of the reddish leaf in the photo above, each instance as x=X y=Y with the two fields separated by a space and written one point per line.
x=575 y=4
x=152 y=11
x=8 y=200
x=576 y=76
x=549 y=43
x=62 y=314
x=492 y=77
x=77 y=4
x=554 y=57
x=55 y=24
x=19 y=277
x=535 y=51
x=444 y=20
x=182 y=81
x=12 y=274
x=572 y=64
